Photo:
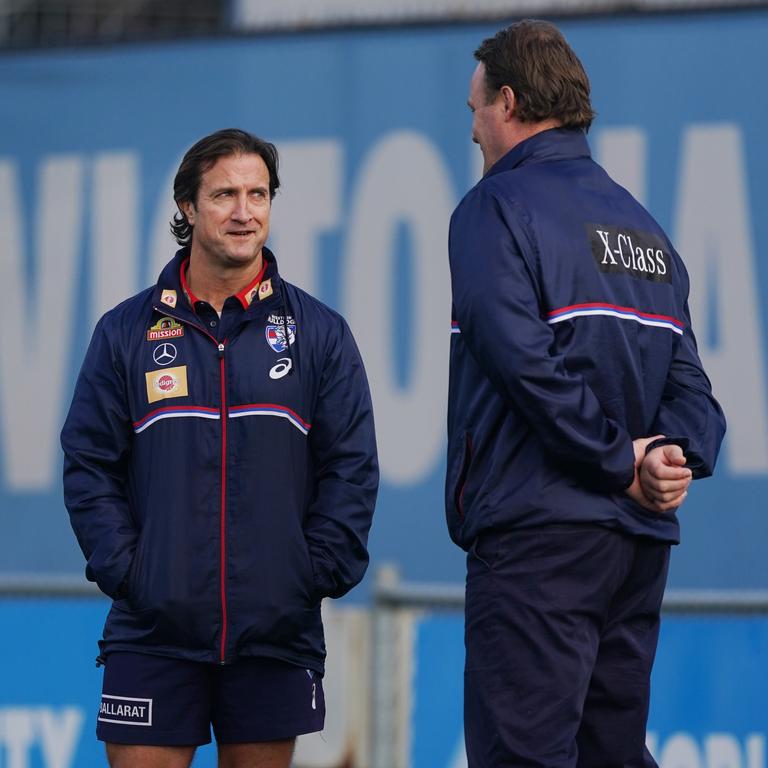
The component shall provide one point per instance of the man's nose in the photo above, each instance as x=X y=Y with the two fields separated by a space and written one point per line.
x=241 y=211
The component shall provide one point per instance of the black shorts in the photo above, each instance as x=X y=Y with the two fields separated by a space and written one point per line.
x=161 y=701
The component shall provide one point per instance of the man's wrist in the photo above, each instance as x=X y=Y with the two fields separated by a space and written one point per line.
x=659 y=442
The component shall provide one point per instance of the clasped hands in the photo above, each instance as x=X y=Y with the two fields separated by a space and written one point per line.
x=661 y=478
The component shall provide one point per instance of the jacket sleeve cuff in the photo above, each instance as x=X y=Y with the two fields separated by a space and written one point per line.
x=693 y=458
x=681 y=441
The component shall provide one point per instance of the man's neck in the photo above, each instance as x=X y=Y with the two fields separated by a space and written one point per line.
x=523 y=131
x=215 y=286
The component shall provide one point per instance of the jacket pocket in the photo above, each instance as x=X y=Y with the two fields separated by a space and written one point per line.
x=461 y=482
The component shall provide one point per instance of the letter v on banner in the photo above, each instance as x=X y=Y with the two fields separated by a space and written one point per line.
x=36 y=316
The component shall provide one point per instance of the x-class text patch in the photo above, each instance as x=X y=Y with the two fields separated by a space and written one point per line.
x=619 y=250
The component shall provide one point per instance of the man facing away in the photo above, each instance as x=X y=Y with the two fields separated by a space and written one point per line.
x=220 y=474
x=578 y=415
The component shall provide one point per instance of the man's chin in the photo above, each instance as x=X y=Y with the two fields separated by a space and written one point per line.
x=236 y=259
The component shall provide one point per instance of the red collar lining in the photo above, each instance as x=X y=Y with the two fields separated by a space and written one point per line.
x=241 y=296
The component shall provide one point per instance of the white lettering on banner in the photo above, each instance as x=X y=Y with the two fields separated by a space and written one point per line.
x=716 y=750
x=756 y=751
x=382 y=201
x=115 y=229
x=308 y=203
x=59 y=733
x=162 y=246
x=713 y=234
x=681 y=750
x=722 y=751
x=622 y=152
x=54 y=732
x=36 y=316
x=41 y=253
x=16 y=736
x=459 y=758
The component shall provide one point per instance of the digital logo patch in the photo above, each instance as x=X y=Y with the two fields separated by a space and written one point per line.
x=168 y=297
x=265 y=289
x=275 y=333
x=166 y=383
x=125 y=710
x=165 y=328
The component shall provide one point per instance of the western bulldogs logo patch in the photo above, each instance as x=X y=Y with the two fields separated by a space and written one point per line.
x=275 y=332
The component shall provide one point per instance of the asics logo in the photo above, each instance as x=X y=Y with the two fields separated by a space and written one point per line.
x=282 y=367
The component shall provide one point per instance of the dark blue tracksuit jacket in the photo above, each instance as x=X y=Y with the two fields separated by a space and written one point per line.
x=220 y=488
x=570 y=338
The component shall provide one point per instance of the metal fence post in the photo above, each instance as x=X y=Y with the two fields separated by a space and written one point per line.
x=384 y=677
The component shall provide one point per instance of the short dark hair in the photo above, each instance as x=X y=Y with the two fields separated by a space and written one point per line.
x=203 y=156
x=534 y=59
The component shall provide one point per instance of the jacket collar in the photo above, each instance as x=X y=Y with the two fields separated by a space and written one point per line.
x=169 y=291
x=552 y=144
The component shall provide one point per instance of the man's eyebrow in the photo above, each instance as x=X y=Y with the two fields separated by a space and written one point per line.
x=223 y=188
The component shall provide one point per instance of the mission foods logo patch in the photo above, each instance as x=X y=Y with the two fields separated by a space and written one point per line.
x=125 y=710
x=167 y=382
x=165 y=328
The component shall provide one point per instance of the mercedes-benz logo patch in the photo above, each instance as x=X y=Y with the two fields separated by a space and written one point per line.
x=164 y=354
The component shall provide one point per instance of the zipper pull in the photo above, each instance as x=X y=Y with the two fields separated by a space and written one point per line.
x=314 y=703
x=221 y=351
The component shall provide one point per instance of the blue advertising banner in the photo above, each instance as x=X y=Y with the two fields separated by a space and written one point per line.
x=707 y=702
x=375 y=140
x=51 y=687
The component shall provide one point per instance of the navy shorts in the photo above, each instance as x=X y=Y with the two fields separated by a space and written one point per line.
x=161 y=701
x=562 y=623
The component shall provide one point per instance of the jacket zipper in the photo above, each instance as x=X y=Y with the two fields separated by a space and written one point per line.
x=223 y=532
x=222 y=524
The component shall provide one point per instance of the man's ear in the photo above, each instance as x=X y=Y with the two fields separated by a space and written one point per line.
x=508 y=95
x=188 y=209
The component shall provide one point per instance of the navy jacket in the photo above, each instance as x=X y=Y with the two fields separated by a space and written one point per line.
x=220 y=490
x=570 y=338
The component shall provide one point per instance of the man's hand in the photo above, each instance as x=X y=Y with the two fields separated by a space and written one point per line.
x=664 y=478
x=661 y=479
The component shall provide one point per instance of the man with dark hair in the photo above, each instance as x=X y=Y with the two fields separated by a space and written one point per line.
x=220 y=473
x=579 y=413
